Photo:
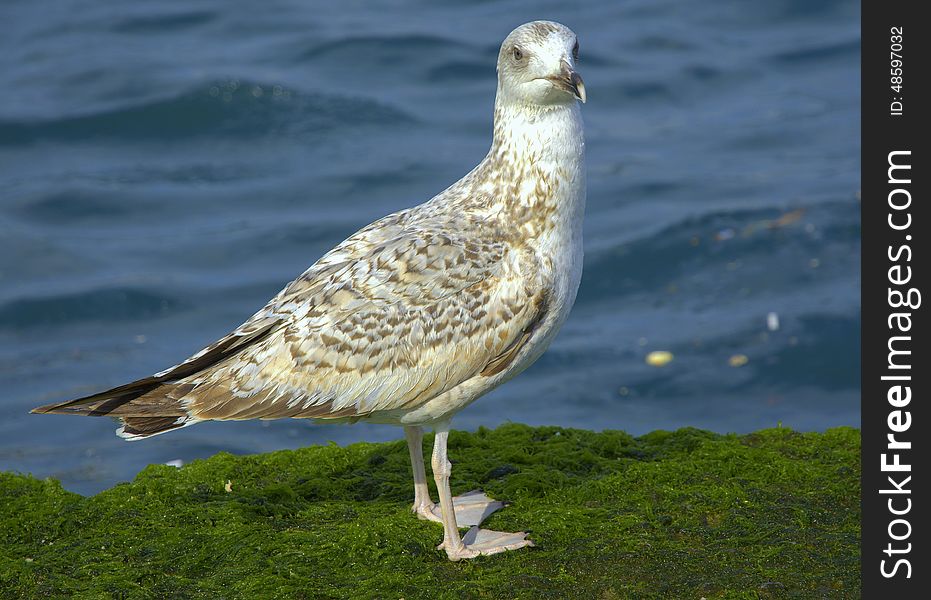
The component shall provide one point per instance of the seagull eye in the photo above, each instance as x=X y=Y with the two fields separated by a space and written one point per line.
x=575 y=50
x=518 y=54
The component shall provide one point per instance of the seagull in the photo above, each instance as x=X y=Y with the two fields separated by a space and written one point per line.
x=420 y=313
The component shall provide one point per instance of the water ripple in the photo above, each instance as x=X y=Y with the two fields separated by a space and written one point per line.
x=99 y=305
x=232 y=108
x=159 y=24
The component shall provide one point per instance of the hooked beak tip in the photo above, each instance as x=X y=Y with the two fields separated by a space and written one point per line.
x=575 y=84
x=579 y=86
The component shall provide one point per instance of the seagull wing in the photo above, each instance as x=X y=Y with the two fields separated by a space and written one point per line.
x=392 y=317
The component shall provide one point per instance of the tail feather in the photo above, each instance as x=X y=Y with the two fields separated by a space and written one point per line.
x=137 y=428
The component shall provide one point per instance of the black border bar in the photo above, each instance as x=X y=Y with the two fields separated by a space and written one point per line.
x=895 y=373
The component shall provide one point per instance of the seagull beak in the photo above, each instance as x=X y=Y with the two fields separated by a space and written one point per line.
x=570 y=81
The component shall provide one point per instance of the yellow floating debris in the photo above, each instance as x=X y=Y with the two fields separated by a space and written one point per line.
x=229 y=486
x=784 y=220
x=738 y=360
x=788 y=218
x=659 y=358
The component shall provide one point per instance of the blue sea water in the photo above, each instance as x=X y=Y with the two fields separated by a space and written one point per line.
x=165 y=167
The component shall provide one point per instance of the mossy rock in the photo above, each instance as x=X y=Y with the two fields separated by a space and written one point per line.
x=684 y=514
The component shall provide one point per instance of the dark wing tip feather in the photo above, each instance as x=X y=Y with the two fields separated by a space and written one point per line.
x=109 y=401
x=104 y=402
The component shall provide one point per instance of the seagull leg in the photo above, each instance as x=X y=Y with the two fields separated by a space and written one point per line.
x=471 y=508
x=423 y=506
x=477 y=541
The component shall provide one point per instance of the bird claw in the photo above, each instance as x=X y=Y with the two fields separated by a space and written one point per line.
x=427 y=511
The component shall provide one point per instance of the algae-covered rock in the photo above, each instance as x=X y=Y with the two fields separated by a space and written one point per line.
x=685 y=514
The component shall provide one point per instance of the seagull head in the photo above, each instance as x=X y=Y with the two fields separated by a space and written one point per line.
x=536 y=65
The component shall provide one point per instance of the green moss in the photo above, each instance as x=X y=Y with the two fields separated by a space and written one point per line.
x=685 y=514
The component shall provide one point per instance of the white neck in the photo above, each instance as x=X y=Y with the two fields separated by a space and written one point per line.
x=533 y=177
x=553 y=132
x=543 y=147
